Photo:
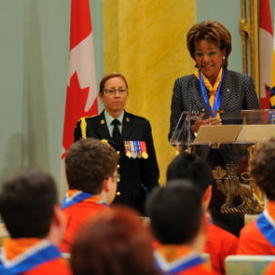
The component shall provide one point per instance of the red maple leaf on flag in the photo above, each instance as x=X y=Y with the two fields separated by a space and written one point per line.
x=75 y=109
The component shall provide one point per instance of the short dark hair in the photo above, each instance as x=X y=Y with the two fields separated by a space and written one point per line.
x=192 y=167
x=26 y=204
x=262 y=167
x=114 y=242
x=110 y=76
x=175 y=212
x=213 y=32
x=88 y=163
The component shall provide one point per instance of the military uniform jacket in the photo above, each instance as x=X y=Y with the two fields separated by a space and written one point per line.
x=136 y=174
x=237 y=93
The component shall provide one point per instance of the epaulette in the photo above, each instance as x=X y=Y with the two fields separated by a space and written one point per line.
x=83 y=127
x=86 y=117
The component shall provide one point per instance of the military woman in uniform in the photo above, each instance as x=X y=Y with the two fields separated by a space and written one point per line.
x=130 y=135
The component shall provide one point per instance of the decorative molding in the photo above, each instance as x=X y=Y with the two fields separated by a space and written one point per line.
x=249 y=30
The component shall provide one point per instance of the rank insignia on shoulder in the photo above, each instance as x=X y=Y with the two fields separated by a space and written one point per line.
x=104 y=141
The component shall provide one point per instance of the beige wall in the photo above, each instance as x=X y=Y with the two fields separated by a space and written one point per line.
x=145 y=40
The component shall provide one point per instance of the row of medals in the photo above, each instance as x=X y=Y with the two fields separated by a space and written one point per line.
x=135 y=149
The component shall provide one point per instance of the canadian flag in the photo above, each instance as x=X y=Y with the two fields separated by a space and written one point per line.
x=81 y=99
x=266 y=45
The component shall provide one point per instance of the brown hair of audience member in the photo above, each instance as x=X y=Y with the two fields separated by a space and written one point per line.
x=213 y=32
x=262 y=167
x=110 y=76
x=27 y=204
x=114 y=242
x=88 y=163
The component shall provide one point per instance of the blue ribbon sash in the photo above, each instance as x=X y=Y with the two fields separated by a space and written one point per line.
x=179 y=265
x=36 y=255
x=76 y=198
x=218 y=98
x=267 y=227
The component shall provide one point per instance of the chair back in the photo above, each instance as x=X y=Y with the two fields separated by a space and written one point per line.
x=247 y=264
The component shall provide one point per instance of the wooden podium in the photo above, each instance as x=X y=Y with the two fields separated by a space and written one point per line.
x=227 y=148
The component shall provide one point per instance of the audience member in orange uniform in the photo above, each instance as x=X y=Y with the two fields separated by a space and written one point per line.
x=114 y=242
x=178 y=222
x=92 y=178
x=28 y=206
x=219 y=243
x=270 y=270
x=258 y=237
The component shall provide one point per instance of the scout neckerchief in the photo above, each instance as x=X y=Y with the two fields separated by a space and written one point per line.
x=173 y=259
x=75 y=196
x=213 y=100
x=21 y=255
x=266 y=222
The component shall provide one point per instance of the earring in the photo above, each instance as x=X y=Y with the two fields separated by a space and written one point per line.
x=223 y=61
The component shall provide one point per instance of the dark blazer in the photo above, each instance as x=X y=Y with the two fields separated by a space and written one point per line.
x=237 y=93
x=136 y=175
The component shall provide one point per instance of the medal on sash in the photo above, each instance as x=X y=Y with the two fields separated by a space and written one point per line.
x=133 y=152
x=144 y=153
x=127 y=148
x=135 y=149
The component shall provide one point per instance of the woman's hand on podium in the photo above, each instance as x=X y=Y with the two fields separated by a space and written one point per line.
x=201 y=121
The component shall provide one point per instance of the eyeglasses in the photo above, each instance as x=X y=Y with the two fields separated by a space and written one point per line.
x=113 y=91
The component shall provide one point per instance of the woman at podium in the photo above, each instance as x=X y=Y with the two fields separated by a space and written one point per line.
x=210 y=91
x=212 y=87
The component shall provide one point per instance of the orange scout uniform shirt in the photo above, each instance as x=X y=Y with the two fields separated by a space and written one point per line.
x=270 y=270
x=76 y=215
x=219 y=244
x=181 y=260
x=32 y=256
x=256 y=238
